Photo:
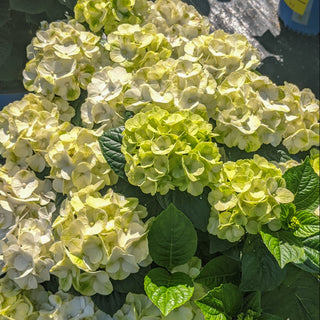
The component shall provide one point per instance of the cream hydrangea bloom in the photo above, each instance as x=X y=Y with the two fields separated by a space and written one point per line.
x=103 y=236
x=302 y=122
x=178 y=21
x=23 y=195
x=222 y=53
x=248 y=196
x=63 y=56
x=25 y=253
x=76 y=160
x=26 y=127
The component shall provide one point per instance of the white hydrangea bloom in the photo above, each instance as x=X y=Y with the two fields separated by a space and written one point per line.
x=76 y=160
x=26 y=127
x=25 y=253
x=96 y=235
x=178 y=21
x=63 y=56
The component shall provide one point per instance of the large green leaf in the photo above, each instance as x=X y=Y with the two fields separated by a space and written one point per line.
x=260 y=270
x=197 y=209
x=222 y=303
x=168 y=291
x=219 y=270
x=284 y=246
x=297 y=298
x=303 y=182
x=172 y=238
x=110 y=143
x=220 y=245
x=308 y=224
x=311 y=247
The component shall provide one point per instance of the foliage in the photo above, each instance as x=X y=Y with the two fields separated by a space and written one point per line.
x=153 y=174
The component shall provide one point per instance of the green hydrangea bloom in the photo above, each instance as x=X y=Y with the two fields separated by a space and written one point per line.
x=165 y=151
x=109 y=14
x=247 y=196
x=76 y=160
x=63 y=56
x=178 y=21
x=134 y=47
x=26 y=127
x=222 y=53
x=103 y=237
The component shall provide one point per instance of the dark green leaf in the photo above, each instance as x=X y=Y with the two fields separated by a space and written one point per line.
x=253 y=302
x=308 y=224
x=303 y=182
x=110 y=303
x=311 y=247
x=219 y=270
x=5 y=46
x=297 y=298
x=197 y=209
x=172 y=238
x=221 y=303
x=133 y=283
x=110 y=143
x=68 y=3
x=284 y=246
x=268 y=316
x=220 y=245
x=260 y=270
x=168 y=291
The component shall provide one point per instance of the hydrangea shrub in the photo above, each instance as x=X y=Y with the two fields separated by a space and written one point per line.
x=152 y=173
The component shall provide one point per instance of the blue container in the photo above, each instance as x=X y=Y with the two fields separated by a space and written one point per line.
x=308 y=23
x=8 y=98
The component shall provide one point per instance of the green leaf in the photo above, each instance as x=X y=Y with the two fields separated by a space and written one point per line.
x=221 y=303
x=168 y=291
x=219 y=270
x=268 y=316
x=111 y=303
x=5 y=46
x=309 y=224
x=253 y=302
x=220 y=245
x=284 y=246
x=297 y=298
x=30 y=6
x=133 y=283
x=110 y=143
x=172 y=238
x=197 y=209
x=311 y=247
x=68 y=3
x=260 y=270
x=303 y=182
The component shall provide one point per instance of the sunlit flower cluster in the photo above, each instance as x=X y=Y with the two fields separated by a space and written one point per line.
x=134 y=47
x=250 y=110
x=43 y=305
x=178 y=21
x=165 y=151
x=23 y=195
x=63 y=56
x=222 y=53
x=100 y=237
x=76 y=160
x=26 y=127
x=302 y=122
x=108 y=14
x=248 y=196
x=26 y=209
